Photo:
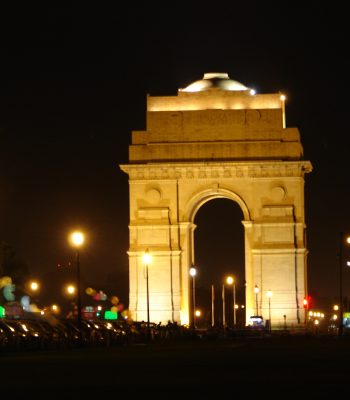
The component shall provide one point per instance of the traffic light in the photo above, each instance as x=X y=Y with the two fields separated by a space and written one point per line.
x=307 y=302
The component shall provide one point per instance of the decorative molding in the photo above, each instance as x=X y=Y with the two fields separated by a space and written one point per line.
x=224 y=170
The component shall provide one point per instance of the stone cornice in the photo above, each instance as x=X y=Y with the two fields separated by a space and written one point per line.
x=214 y=170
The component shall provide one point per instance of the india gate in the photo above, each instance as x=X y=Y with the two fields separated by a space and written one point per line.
x=216 y=138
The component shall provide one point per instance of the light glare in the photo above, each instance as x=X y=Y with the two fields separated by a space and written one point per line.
x=147 y=258
x=70 y=289
x=77 y=238
x=230 y=280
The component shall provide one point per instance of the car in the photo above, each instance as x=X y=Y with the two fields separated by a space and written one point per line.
x=29 y=337
x=12 y=337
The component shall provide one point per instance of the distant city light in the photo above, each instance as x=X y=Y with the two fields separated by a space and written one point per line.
x=111 y=315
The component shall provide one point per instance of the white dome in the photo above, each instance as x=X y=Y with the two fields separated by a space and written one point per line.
x=212 y=80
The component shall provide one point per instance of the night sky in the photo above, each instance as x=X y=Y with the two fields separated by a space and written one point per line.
x=73 y=86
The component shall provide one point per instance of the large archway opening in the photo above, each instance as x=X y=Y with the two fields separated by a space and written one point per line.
x=219 y=252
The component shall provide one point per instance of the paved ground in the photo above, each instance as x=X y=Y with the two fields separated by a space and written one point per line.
x=287 y=367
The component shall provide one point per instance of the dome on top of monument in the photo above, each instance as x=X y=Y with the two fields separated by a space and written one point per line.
x=215 y=80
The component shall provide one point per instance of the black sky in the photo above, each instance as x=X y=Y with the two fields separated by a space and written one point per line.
x=73 y=86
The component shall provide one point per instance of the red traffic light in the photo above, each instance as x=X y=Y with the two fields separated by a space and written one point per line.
x=307 y=302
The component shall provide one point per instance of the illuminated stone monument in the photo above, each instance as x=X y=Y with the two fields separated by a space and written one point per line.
x=216 y=139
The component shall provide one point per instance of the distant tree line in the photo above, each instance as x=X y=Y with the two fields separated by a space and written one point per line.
x=11 y=265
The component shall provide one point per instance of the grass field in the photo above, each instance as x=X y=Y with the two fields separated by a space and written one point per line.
x=276 y=367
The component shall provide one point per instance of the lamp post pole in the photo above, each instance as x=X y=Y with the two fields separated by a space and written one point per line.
x=77 y=239
x=146 y=260
x=78 y=287
x=256 y=291
x=231 y=281
x=223 y=307
x=212 y=305
x=340 y=331
x=234 y=303
x=148 y=332
x=269 y=295
x=193 y=273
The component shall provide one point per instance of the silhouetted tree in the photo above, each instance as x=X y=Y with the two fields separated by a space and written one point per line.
x=12 y=266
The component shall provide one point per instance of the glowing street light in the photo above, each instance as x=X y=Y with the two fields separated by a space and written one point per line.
x=193 y=273
x=256 y=291
x=70 y=289
x=34 y=286
x=147 y=258
x=55 y=308
x=230 y=280
x=77 y=240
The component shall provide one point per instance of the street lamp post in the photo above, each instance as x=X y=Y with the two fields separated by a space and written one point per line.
x=234 y=303
x=340 y=331
x=77 y=239
x=193 y=273
x=269 y=295
x=223 y=307
x=231 y=281
x=34 y=287
x=212 y=305
x=341 y=243
x=147 y=259
x=256 y=291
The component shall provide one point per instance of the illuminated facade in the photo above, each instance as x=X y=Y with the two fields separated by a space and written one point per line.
x=217 y=139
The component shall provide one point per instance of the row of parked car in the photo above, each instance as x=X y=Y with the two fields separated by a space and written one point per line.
x=38 y=333
x=34 y=334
